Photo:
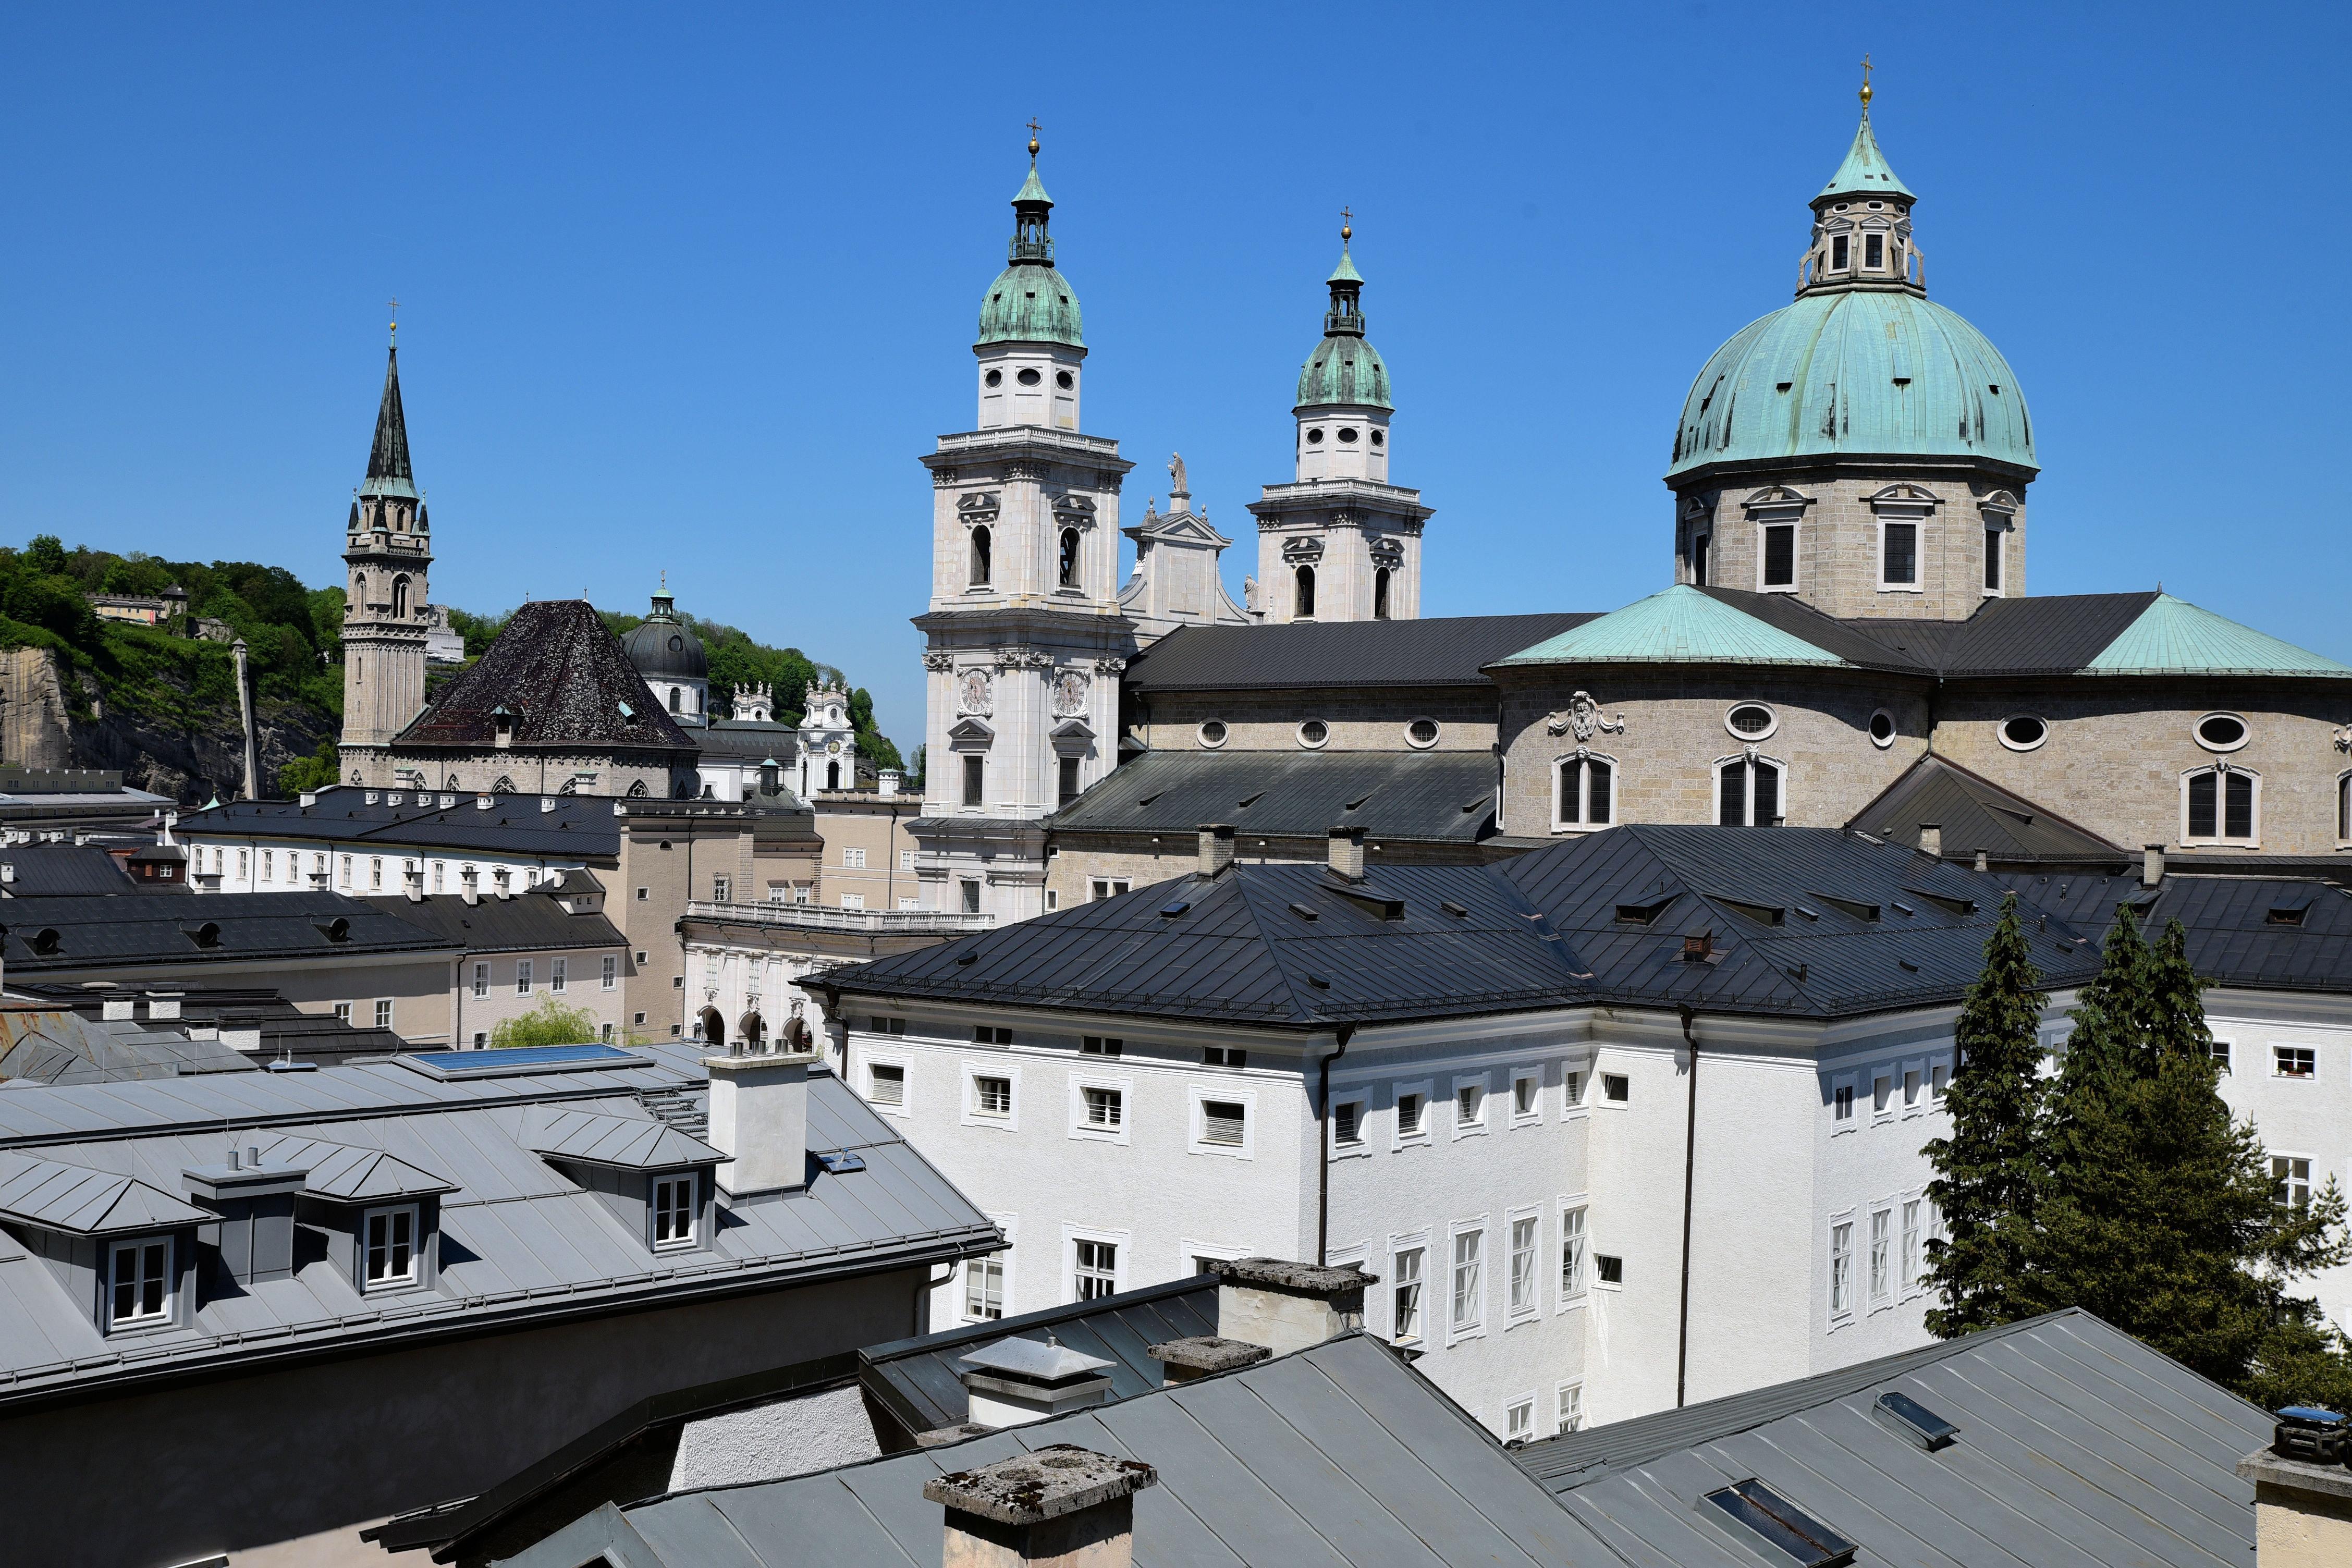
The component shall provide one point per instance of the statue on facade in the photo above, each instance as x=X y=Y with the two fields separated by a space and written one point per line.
x=1176 y=485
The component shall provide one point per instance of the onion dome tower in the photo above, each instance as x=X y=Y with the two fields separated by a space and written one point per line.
x=1031 y=347
x=1864 y=447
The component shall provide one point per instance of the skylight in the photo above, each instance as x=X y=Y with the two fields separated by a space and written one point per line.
x=512 y=1060
x=1914 y=1421
x=2286 y=915
x=1787 y=1532
x=1854 y=907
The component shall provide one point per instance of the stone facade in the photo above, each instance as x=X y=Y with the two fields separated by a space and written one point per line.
x=388 y=548
x=1355 y=721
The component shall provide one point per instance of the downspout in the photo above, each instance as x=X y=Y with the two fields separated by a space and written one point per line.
x=1690 y=1163
x=1323 y=1142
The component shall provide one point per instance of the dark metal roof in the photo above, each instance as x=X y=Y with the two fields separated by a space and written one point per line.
x=559 y=672
x=1409 y=796
x=261 y=1025
x=1446 y=651
x=1975 y=814
x=2054 y=635
x=2233 y=936
x=558 y=825
x=2076 y=1445
x=50 y=871
x=388 y=453
x=1799 y=922
x=118 y=933
x=527 y=922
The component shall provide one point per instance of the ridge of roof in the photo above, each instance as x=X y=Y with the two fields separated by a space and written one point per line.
x=1989 y=803
x=1437 y=650
x=564 y=679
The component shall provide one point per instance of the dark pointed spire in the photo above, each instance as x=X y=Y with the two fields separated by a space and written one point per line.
x=388 y=473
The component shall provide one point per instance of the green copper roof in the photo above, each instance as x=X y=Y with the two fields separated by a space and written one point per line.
x=1680 y=625
x=2173 y=636
x=1864 y=171
x=1345 y=271
x=1344 y=369
x=1033 y=189
x=1030 y=303
x=1859 y=371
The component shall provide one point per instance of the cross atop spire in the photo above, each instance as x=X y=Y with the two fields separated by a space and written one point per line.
x=388 y=473
x=1866 y=84
x=1032 y=139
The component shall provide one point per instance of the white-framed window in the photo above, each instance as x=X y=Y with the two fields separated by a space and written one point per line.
x=1094 y=1268
x=1525 y=1240
x=1527 y=1096
x=2219 y=1048
x=1914 y=1086
x=1882 y=1096
x=673 y=1216
x=610 y=975
x=2295 y=1061
x=1406 y=1262
x=1221 y=1121
x=1915 y=1258
x=1571 y=1092
x=343 y=1013
x=1775 y=555
x=853 y=900
x=1751 y=720
x=2291 y=1181
x=2222 y=804
x=559 y=974
x=906 y=859
x=1939 y=1082
x=1616 y=1089
x=1841 y=1265
x=1841 y=1103
x=984 y=1288
x=375 y=871
x=1098 y=1108
x=1468 y=1280
x=1413 y=1113
x=989 y=1095
x=1583 y=791
x=1104 y=888
x=1568 y=1408
x=1422 y=734
x=1882 y=1255
x=390 y=1244
x=2343 y=808
x=1572 y=1244
x=1469 y=1105
x=481 y=979
x=139 y=1283
x=852 y=858
x=270 y=864
x=1898 y=554
x=723 y=889
x=885 y=1085
x=1348 y=1126
x=1608 y=1271
x=346 y=866
x=523 y=976
x=1749 y=793
x=383 y=1012
x=1520 y=1418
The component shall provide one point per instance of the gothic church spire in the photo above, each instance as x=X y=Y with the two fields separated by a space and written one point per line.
x=388 y=473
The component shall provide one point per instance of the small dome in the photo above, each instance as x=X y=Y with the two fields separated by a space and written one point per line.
x=664 y=648
x=1344 y=369
x=1030 y=303
x=1864 y=371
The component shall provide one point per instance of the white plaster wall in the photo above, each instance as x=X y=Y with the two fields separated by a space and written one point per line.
x=291 y=861
x=1751 y=1216
x=2309 y=1117
x=769 y=1442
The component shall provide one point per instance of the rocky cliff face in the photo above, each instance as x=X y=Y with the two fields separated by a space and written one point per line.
x=54 y=717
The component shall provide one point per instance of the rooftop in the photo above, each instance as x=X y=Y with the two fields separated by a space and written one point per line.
x=1973 y=812
x=561 y=826
x=1418 y=798
x=531 y=921
x=560 y=678
x=63 y=935
x=1442 y=651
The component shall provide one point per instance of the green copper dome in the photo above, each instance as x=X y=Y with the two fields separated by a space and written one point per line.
x=1344 y=368
x=1878 y=371
x=1031 y=302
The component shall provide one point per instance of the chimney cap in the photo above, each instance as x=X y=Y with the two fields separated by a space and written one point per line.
x=1287 y=1277
x=1030 y=1488
x=1208 y=1353
x=1034 y=1361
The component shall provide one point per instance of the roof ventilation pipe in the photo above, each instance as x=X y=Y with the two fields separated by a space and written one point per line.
x=1016 y=1381
x=2151 y=865
x=1347 y=853
x=1287 y=1306
x=1931 y=839
x=469 y=885
x=1216 y=848
x=758 y=1120
x=1061 y=1504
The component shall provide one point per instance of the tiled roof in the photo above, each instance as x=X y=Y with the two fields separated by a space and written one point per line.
x=1974 y=813
x=1316 y=654
x=1681 y=625
x=1408 y=796
x=561 y=675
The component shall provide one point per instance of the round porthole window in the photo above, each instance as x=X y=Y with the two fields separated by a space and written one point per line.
x=1313 y=733
x=1380 y=437
x=2022 y=731
x=1063 y=379
x=1028 y=378
x=2221 y=732
x=996 y=378
x=1347 y=433
x=1882 y=729
x=1751 y=720
x=1315 y=437
x=1212 y=734
x=1421 y=734
x=676 y=642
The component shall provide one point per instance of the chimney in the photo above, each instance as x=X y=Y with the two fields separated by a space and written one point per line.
x=888 y=781
x=1015 y=1381
x=1062 y=1505
x=1931 y=839
x=256 y=1205
x=1201 y=1355
x=1984 y=859
x=546 y=804
x=1287 y=1305
x=758 y=1120
x=1216 y=848
x=2303 y=1493
x=411 y=882
x=469 y=885
x=1347 y=853
x=2151 y=865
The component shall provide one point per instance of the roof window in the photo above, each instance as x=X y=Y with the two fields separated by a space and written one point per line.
x=1644 y=914
x=1854 y=907
x=1946 y=902
x=514 y=1060
x=1169 y=911
x=1459 y=911
x=1787 y=1532
x=1913 y=1420
x=2286 y=914
x=1762 y=914
x=1303 y=911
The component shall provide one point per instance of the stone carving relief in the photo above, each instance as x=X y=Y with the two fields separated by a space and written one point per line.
x=975 y=694
x=978 y=507
x=2344 y=738
x=1073 y=510
x=1111 y=666
x=938 y=661
x=1583 y=717
x=1023 y=658
x=1302 y=551
x=1070 y=689
x=1387 y=552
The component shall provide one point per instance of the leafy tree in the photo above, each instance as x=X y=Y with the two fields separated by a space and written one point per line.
x=550 y=1023
x=1987 y=1172
x=314 y=772
x=46 y=554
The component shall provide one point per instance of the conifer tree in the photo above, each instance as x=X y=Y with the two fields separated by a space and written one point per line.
x=1986 y=1171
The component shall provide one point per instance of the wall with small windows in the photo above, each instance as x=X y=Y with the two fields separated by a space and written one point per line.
x=1353 y=720
x=493 y=987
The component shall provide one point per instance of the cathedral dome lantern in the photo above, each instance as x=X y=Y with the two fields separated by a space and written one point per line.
x=1032 y=343
x=670 y=658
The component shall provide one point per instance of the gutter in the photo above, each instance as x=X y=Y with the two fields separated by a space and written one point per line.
x=1323 y=1142
x=1690 y=1164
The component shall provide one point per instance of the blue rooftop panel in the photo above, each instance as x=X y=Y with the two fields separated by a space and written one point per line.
x=512 y=1061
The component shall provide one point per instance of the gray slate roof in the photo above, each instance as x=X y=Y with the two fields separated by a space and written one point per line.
x=114 y=934
x=1974 y=813
x=2078 y=1447
x=581 y=826
x=526 y=1243
x=48 y=870
x=2233 y=936
x=558 y=670
x=1804 y=923
x=1304 y=655
x=1415 y=797
x=530 y=921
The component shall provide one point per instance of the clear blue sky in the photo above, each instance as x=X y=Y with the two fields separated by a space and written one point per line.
x=692 y=288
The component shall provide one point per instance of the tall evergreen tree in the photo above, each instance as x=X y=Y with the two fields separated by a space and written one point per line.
x=1986 y=1171
x=2156 y=1211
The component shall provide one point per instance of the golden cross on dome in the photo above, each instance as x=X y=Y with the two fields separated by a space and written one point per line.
x=1347 y=217
x=395 y=320
x=1865 y=82
x=1032 y=136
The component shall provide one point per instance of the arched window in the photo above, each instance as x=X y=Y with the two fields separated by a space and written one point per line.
x=1069 y=558
x=673 y=698
x=980 y=562
x=1303 y=605
x=1747 y=792
x=1586 y=793
x=1381 y=595
x=638 y=790
x=504 y=786
x=833 y=775
x=400 y=598
x=2221 y=804
x=710 y=1027
x=2344 y=807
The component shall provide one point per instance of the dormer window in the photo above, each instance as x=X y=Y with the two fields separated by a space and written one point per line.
x=139 y=1283
x=389 y=1239
x=673 y=1211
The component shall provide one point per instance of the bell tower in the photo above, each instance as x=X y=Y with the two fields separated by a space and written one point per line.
x=387 y=550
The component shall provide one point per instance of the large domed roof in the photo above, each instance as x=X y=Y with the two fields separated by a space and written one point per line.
x=1029 y=302
x=664 y=648
x=1861 y=371
x=1344 y=369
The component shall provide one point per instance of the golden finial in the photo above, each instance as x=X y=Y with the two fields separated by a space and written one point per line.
x=395 y=320
x=1865 y=82
x=1346 y=231
x=1032 y=138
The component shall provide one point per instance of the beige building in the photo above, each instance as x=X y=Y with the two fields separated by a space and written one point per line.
x=754 y=971
x=869 y=855
x=524 y=949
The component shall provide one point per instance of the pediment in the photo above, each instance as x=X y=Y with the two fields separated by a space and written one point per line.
x=1073 y=730
x=972 y=730
x=1907 y=495
x=1777 y=498
x=1178 y=527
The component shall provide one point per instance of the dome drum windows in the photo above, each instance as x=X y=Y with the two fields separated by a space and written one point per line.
x=1751 y=720
x=2221 y=804
x=995 y=378
x=1422 y=734
x=2023 y=732
x=1212 y=734
x=1314 y=734
x=2222 y=732
x=1028 y=377
x=1776 y=512
x=1315 y=435
x=1584 y=792
x=1882 y=729
x=1999 y=512
x=1903 y=511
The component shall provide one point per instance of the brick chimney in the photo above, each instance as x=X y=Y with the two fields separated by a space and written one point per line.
x=2303 y=1493
x=1062 y=1505
x=1347 y=853
x=758 y=1120
x=1216 y=848
x=1287 y=1305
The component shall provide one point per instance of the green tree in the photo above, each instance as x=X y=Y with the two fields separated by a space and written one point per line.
x=550 y=1023
x=1987 y=1172
x=314 y=772
x=2156 y=1210
x=46 y=554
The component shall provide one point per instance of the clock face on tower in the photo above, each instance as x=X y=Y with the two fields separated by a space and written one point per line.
x=972 y=692
x=1069 y=693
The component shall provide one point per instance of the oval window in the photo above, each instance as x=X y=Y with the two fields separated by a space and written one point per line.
x=1380 y=437
x=2220 y=732
x=1313 y=733
x=1212 y=733
x=1421 y=732
x=2023 y=732
x=1750 y=720
x=1882 y=729
x=1347 y=433
x=1062 y=379
x=1315 y=437
x=676 y=642
x=1028 y=378
x=996 y=378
